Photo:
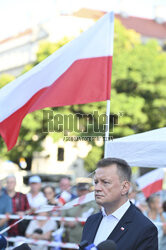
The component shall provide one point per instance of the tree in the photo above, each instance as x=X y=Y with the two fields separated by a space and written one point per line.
x=47 y=48
x=5 y=78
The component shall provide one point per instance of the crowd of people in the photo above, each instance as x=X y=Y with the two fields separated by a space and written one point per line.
x=155 y=209
x=12 y=202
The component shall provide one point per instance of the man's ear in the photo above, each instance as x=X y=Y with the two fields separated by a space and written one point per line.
x=125 y=187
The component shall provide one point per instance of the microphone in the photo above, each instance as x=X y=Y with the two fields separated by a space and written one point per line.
x=91 y=247
x=3 y=242
x=83 y=244
x=105 y=245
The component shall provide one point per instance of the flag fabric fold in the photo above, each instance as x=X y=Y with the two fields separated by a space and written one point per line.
x=151 y=182
x=78 y=73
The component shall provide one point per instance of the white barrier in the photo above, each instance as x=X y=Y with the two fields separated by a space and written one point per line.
x=58 y=218
x=47 y=208
x=21 y=240
x=31 y=217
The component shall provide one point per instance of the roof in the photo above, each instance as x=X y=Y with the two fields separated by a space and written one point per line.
x=146 y=27
x=21 y=34
x=89 y=13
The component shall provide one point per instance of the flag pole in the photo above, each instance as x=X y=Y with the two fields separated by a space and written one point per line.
x=107 y=127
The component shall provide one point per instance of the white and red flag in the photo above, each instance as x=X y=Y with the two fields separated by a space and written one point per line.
x=78 y=73
x=151 y=182
x=64 y=198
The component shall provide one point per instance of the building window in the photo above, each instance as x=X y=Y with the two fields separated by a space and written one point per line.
x=60 y=154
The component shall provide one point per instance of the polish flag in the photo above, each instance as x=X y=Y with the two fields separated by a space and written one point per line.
x=151 y=182
x=78 y=73
x=64 y=198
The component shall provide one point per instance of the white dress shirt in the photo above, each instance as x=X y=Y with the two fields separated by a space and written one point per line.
x=109 y=222
x=36 y=201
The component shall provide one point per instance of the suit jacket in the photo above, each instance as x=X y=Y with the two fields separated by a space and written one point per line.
x=134 y=231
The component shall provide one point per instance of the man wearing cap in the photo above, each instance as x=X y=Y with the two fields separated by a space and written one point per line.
x=35 y=197
x=74 y=228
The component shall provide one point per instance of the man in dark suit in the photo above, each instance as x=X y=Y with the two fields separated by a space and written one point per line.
x=119 y=220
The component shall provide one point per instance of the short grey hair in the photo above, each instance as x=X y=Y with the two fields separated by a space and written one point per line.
x=124 y=170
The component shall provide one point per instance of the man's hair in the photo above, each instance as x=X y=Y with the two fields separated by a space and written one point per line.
x=65 y=178
x=11 y=176
x=124 y=170
x=151 y=199
x=48 y=186
x=164 y=206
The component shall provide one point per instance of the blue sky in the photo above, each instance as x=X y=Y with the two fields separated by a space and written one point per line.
x=17 y=15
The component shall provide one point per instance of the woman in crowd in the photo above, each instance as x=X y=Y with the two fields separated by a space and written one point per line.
x=49 y=192
x=155 y=214
x=41 y=230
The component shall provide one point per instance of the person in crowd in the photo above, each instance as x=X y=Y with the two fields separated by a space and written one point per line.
x=41 y=230
x=5 y=208
x=35 y=197
x=74 y=229
x=134 y=198
x=163 y=239
x=65 y=185
x=20 y=206
x=143 y=206
x=155 y=214
x=164 y=207
x=119 y=220
x=49 y=192
x=133 y=193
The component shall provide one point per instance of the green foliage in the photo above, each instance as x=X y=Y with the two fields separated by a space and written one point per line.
x=5 y=78
x=47 y=48
x=27 y=68
x=93 y=157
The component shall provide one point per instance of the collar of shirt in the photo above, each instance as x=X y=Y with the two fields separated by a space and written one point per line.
x=119 y=212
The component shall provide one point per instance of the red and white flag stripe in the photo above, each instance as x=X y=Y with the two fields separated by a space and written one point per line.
x=64 y=198
x=151 y=182
x=78 y=73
